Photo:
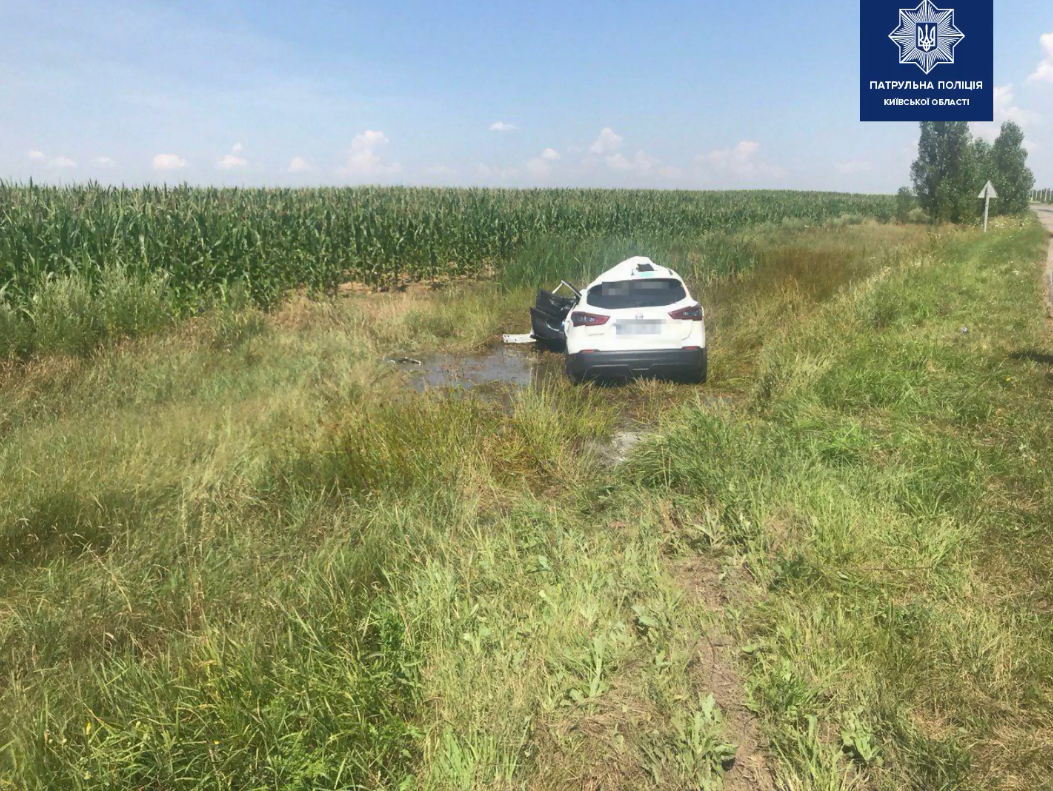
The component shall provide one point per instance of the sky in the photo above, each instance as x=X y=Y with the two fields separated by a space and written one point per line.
x=688 y=95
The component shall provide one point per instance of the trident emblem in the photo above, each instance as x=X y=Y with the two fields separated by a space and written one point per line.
x=926 y=37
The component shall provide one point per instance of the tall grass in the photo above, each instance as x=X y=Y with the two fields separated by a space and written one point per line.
x=700 y=259
x=73 y=313
x=886 y=484
x=209 y=591
x=247 y=554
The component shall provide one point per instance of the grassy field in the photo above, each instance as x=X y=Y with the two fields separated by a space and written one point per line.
x=241 y=552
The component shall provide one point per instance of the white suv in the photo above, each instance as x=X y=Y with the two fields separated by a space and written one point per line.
x=636 y=319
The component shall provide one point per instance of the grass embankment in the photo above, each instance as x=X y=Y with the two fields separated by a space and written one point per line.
x=242 y=554
x=882 y=499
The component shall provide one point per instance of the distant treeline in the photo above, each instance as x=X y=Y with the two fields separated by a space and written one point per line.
x=953 y=166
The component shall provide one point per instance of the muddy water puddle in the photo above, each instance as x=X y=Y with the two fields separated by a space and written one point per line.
x=500 y=365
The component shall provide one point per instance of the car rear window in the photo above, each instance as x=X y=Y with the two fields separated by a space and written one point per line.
x=636 y=293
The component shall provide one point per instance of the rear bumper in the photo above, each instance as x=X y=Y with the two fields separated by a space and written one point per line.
x=671 y=363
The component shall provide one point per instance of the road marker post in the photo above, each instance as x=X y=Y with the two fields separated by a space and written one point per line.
x=987 y=193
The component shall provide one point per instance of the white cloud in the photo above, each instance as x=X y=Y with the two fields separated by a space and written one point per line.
x=1044 y=72
x=641 y=162
x=61 y=163
x=231 y=162
x=540 y=167
x=855 y=167
x=1004 y=110
x=36 y=156
x=363 y=159
x=169 y=162
x=103 y=162
x=743 y=152
x=607 y=143
x=741 y=162
x=644 y=163
x=501 y=126
x=299 y=165
x=440 y=170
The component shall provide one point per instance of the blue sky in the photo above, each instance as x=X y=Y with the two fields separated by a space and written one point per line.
x=756 y=93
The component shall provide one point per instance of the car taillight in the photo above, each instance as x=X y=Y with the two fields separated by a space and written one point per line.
x=580 y=319
x=691 y=313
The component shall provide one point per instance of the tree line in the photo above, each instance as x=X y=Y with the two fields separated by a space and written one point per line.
x=953 y=166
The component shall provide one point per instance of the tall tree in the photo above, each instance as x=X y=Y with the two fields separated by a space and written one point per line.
x=904 y=204
x=946 y=171
x=985 y=166
x=1010 y=173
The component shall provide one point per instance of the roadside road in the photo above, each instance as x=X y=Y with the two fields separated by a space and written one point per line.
x=1045 y=215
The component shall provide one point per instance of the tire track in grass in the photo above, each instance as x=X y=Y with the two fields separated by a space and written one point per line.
x=717 y=670
x=1044 y=212
x=788 y=293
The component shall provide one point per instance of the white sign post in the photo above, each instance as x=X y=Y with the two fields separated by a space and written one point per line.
x=987 y=193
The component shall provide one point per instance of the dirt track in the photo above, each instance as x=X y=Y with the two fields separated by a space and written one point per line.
x=1045 y=214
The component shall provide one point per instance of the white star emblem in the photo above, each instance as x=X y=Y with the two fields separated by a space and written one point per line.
x=926 y=36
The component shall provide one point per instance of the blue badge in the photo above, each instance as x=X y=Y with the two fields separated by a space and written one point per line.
x=933 y=61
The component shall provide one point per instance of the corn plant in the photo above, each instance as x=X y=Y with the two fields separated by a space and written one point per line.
x=272 y=240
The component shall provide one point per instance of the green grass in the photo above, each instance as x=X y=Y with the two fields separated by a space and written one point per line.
x=241 y=552
x=884 y=485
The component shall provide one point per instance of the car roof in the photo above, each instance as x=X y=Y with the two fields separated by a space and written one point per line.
x=637 y=267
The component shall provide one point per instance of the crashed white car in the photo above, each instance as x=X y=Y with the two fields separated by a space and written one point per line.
x=636 y=319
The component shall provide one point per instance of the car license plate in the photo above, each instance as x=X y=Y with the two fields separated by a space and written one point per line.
x=638 y=328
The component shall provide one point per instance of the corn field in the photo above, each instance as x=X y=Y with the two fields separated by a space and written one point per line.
x=272 y=240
